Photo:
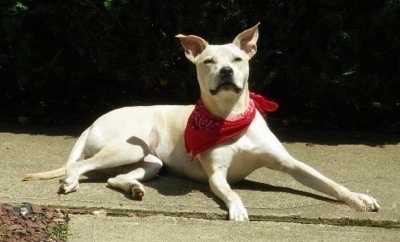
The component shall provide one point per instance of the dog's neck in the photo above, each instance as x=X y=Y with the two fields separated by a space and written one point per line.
x=228 y=106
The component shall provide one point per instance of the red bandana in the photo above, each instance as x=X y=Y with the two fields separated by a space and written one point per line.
x=204 y=130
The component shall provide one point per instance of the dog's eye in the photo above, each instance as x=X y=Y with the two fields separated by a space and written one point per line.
x=208 y=61
x=237 y=59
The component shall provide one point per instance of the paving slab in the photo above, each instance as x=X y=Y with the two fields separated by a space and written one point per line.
x=366 y=163
x=165 y=228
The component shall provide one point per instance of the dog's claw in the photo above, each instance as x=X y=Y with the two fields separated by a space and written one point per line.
x=362 y=202
x=124 y=183
x=137 y=191
x=67 y=187
x=238 y=213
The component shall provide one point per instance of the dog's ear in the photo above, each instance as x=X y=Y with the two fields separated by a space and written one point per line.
x=193 y=45
x=247 y=40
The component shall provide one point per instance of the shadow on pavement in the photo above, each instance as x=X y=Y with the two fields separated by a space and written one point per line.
x=258 y=186
x=324 y=137
x=170 y=185
x=336 y=137
x=51 y=130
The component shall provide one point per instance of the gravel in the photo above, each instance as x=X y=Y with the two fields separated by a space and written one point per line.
x=29 y=222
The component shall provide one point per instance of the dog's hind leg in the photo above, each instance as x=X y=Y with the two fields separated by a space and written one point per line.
x=130 y=182
x=111 y=156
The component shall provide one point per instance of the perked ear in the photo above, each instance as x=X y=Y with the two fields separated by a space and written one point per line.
x=193 y=45
x=247 y=40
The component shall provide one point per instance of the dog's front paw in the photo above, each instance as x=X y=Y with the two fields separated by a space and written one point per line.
x=68 y=186
x=238 y=213
x=362 y=202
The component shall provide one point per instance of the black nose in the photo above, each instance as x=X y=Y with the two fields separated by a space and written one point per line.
x=226 y=72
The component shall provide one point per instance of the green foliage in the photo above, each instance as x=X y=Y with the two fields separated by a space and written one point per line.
x=17 y=8
x=59 y=232
x=326 y=61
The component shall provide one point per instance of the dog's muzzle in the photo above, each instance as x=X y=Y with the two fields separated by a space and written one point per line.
x=225 y=81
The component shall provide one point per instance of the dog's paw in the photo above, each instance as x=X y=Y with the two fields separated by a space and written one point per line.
x=137 y=190
x=120 y=182
x=68 y=186
x=362 y=202
x=238 y=213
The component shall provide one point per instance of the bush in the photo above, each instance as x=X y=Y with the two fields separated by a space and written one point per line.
x=334 y=63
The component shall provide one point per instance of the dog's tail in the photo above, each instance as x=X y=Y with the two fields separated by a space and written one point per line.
x=74 y=156
x=45 y=175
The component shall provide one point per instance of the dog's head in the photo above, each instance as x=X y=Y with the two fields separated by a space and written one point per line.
x=222 y=69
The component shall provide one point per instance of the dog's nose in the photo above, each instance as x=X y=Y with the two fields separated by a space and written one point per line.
x=226 y=71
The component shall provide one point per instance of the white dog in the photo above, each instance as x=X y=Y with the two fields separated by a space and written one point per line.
x=222 y=139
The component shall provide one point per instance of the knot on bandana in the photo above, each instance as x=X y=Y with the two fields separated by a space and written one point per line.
x=204 y=130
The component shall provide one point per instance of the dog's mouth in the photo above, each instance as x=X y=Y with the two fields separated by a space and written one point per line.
x=226 y=86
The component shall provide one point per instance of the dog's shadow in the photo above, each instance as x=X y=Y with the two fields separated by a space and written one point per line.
x=263 y=187
x=169 y=185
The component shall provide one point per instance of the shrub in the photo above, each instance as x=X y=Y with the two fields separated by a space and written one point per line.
x=328 y=62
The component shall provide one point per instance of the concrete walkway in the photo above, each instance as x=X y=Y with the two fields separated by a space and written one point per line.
x=176 y=209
